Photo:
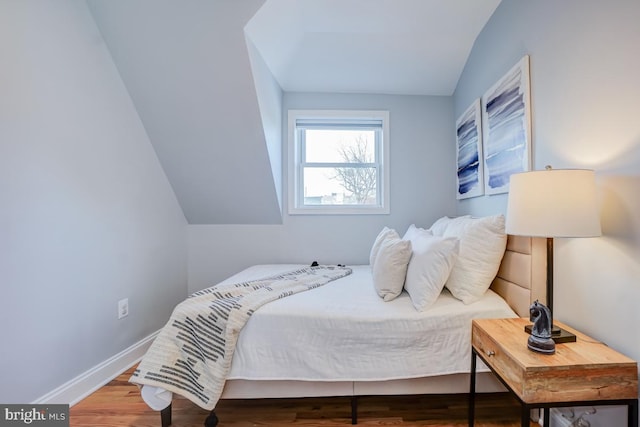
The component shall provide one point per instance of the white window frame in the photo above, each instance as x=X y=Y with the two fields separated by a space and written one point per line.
x=295 y=164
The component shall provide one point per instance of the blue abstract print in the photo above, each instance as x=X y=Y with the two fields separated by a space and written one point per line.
x=469 y=168
x=505 y=111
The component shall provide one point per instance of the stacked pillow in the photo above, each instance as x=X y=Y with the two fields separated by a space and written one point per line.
x=389 y=258
x=432 y=260
x=482 y=245
x=462 y=253
x=438 y=228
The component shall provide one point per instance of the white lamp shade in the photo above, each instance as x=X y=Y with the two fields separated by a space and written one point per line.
x=553 y=203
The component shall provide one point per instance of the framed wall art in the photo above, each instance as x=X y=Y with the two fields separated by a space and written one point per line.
x=469 y=153
x=506 y=123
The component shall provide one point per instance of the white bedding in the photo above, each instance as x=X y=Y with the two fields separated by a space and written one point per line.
x=344 y=331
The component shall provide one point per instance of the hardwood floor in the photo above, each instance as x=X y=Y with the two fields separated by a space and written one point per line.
x=119 y=404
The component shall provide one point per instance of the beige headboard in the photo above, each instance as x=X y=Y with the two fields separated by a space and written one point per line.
x=523 y=273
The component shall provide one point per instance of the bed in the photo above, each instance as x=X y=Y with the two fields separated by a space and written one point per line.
x=429 y=350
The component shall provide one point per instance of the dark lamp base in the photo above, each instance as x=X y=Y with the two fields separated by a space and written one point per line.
x=558 y=335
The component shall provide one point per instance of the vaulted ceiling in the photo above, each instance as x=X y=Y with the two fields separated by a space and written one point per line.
x=199 y=73
x=411 y=47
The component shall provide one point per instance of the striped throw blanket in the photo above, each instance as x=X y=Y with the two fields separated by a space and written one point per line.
x=192 y=354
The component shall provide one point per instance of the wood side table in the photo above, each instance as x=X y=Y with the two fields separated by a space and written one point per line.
x=582 y=373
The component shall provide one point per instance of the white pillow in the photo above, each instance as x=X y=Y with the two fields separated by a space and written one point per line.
x=384 y=234
x=438 y=228
x=414 y=232
x=482 y=245
x=390 y=267
x=432 y=260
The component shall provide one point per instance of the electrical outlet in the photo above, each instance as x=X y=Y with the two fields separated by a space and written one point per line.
x=123 y=308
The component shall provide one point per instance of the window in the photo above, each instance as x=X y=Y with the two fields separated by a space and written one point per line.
x=338 y=162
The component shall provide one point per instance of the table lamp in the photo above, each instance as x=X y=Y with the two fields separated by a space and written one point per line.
x=553 y=203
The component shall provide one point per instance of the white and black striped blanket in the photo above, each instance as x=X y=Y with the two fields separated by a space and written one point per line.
x=192 y=354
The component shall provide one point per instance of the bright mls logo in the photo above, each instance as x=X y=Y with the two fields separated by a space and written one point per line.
x=34 y=415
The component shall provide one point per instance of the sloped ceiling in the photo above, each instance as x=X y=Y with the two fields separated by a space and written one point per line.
x=410 y=47
x=187 y=67
x=187 y=70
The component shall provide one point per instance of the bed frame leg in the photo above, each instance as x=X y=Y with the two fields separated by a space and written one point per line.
x=212 y=420
x=165 y=416
x=354 y=410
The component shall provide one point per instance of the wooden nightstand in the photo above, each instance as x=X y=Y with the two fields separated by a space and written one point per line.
x=585 y=372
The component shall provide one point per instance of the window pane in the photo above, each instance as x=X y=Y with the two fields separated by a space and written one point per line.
x=340 y=186
x=339 y=146
x=337 y=162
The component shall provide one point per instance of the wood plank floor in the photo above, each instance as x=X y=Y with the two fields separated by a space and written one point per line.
x=119 y=404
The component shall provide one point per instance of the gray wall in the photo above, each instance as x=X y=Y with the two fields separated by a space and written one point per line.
x=187 y=67
x=422 y=189
x=87 y=215
x=269 y=98
x=585 y=110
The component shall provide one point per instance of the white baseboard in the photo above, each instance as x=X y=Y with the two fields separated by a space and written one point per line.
x=86 y=383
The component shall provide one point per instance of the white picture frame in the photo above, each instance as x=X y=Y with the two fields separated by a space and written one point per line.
x=469 y=159
x=506 y=124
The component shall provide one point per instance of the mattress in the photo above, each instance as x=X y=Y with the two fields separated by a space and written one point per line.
x=343 y=331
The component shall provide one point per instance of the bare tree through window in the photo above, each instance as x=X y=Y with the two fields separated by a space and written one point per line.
x=360 y=179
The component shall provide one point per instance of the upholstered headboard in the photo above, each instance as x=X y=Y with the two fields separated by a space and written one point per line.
x=523 y=273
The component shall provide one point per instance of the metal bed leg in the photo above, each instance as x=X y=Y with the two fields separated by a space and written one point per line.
x=354 y=410
x=165 y=416
x=212 y=420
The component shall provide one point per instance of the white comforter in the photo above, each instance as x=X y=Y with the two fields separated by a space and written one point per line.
x=344 y=332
